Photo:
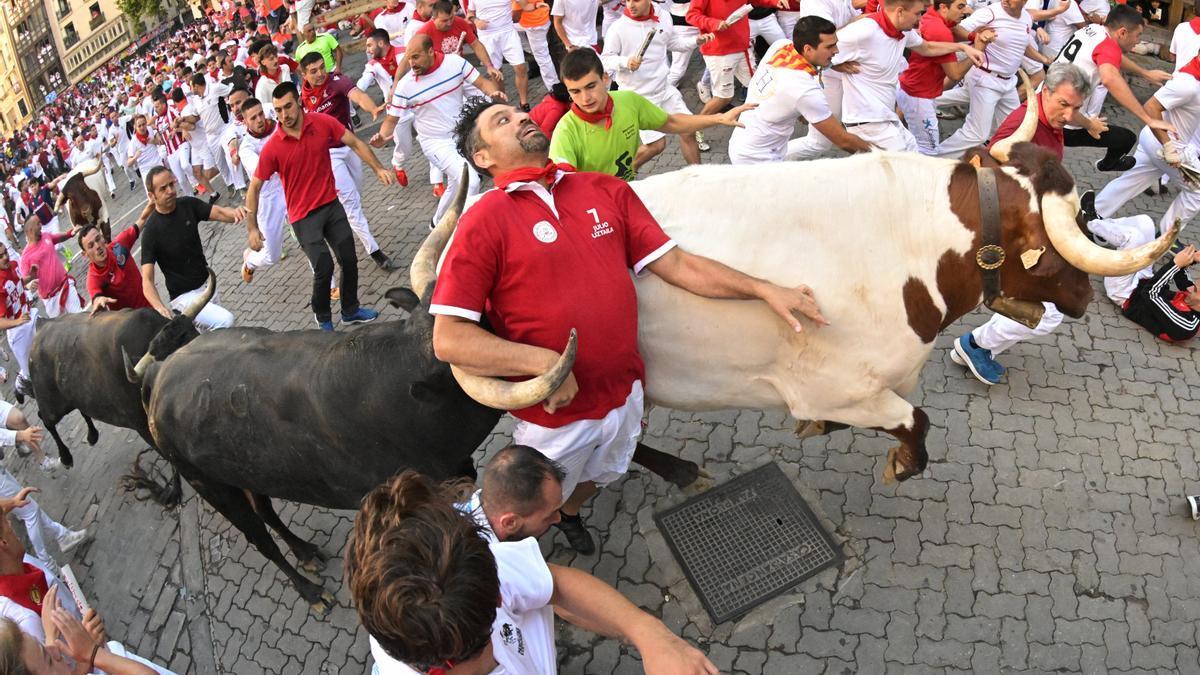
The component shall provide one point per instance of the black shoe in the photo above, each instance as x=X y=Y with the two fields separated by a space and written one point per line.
x=354 y=118
x=216 y=197
x=1162 y=189
x=1120 y=164
x=1150 y=192
x=1087 y=205
x=577 y=535
x=384 y=262
x=132 y=185
x=22 y=388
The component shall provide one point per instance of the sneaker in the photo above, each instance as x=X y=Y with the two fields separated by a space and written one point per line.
x=401 y=177
x=704 y=90
x=72 y=539
x=325 y=325
x=1150 y=191
x=361 y=315
x=356 y=119
x=1124 y=163
x=1162 y=189
x=578 y=537
x=1194 y=502
x=977 y=359
x=703 y=144
x=50 y=464
x=247 y=271
x=132 y=185
x=384 y=262
x=335 y=293
x=22 y=388
x=216 y=197
x=439 y=189
x=1087 y=206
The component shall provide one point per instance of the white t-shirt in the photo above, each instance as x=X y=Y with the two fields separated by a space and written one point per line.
x=622 y=42
x=1185 y=44
x=436 y=98
x=1099 y=7
x=1089 y=47
x=209 y=108
x=497 y=14
x=870 y=94
x=150 y=157
x=523 y=632
x=840 y=12
x=579 y=20
x=782 y=94
x=1003 y=56
x=395 y=23
x=1180 y=97
x=1061 y=27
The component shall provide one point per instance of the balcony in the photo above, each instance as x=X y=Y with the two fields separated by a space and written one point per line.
x=98 y=20
x=108 y=38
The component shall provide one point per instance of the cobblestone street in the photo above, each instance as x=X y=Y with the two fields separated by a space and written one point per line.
x=1049 y=534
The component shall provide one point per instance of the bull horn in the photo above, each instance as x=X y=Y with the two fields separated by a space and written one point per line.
x=1058 y=216
x=135 y=373
x=504 y=395
x=87 y=172
x=194 y=308
x=423 y=270
x=1024 y=133
x=58 y=203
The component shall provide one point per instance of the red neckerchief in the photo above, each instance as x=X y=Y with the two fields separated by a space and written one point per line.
x=438 y=57
x=439 y=670
x=270 y=130
x=649 y=17
x=530 y=173
x=27 y=589
x=389 y=61
x=889 y=28
x=313 y=95
x=596 y=118
x=1192 y=68
x=1195 y=24
x=214 y=73
x=143 y=138
x=274 y=77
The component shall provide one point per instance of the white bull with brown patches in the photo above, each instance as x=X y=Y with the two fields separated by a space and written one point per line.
x=888 y=242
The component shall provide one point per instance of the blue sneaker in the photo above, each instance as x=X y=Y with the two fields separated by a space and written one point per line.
x=362 y=315
x=325 y=325
x=978 y=360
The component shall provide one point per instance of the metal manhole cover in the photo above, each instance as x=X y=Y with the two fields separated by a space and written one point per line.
x=746 y=541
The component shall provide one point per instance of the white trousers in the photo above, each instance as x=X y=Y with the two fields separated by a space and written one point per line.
x=992 y=99
x=680 y=60
x=1145 y=173
x=106 y=161
x=402 y=137
x=787 y=21
x=272 y=218
x=1125 y=233
x=180 y=165
x=442 y=153
x=38 y=525
x=233 y=176
x=304 y=10
x=540 y=48
x=347 y=169
x=66 y=301
x=20 y=340
x=212 y=317
x=766 y=27
x=815 y=144
x=920 y=114
x=590 y=450
x=891 y=136
x=1001 y=333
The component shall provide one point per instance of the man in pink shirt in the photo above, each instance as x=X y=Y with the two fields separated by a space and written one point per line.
x=42 y=270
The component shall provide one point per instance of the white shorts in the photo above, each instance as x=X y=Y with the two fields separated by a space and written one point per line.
x=724 y=68
x=590 y=450
x=201 y=156
x=669 y=100
x=503 y=43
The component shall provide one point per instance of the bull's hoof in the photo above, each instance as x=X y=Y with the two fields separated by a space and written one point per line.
x=67 y=460
x=703 y=482
x=895 y=471
x=322 y=606
x=93 y=435
x=810 y=428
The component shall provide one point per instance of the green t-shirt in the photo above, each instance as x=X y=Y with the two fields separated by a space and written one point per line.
x=591 y=147
x=324 y=43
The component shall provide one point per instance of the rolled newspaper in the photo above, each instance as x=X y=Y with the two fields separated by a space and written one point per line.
x=737 y=14
x=646 y=44
x=68 y=577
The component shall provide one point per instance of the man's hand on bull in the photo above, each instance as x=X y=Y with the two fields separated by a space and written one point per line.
x=792 y=303
x=101 y=303
x=562 y=396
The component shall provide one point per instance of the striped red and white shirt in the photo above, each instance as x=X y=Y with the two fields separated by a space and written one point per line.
x=436 y=98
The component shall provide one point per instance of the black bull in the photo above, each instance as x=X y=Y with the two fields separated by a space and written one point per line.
x=246 y=414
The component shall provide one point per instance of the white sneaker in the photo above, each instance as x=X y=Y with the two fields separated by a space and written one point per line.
x=3 y=374
x=701 y=143
x=704 y=90
x=49 y=464
x=72 y=539
x=1194 y=502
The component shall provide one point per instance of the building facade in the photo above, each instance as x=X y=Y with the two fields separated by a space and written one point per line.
x=31 y=35
x=88 y=33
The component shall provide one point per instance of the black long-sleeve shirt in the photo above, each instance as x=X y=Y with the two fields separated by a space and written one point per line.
x=1159 y=307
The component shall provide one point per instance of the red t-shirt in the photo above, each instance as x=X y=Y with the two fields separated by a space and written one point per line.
x=450 y=41
x=1046 y=136
x=28 y=589
x=120 y=278
x=924 y=76
x=303 y=163
x=1108 y=51
x=331 y=98
x=537 y=275
x=547 y=113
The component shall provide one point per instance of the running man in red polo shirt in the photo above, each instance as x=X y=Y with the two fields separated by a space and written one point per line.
x=579 y=234
x=299 y=152
x=114 y=280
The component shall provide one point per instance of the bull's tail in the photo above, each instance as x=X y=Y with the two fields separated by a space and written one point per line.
x=152 y=483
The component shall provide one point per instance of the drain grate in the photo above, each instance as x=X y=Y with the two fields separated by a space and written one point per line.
x=746 y=541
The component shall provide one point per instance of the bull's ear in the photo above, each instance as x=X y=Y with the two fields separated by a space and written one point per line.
x=402 y=297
